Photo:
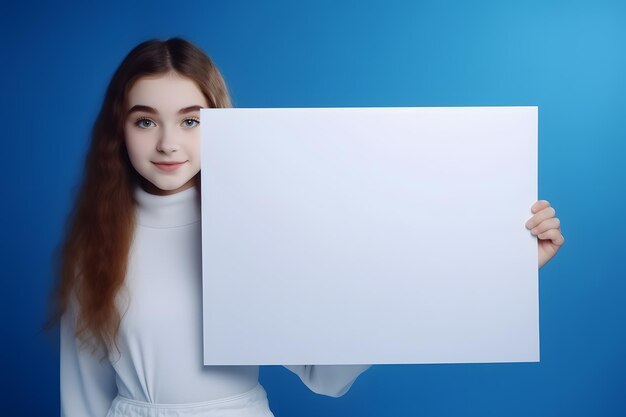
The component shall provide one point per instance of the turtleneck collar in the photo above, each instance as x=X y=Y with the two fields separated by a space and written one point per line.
x=167 y=211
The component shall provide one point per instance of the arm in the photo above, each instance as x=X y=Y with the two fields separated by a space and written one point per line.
x=87 y=384
x=331 y=380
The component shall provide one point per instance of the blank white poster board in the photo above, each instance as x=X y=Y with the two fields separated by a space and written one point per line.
x=369 y=235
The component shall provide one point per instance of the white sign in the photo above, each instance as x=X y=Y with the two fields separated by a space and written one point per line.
x=369 y=235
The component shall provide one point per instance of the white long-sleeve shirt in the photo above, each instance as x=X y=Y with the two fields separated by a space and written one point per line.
x=160 y=335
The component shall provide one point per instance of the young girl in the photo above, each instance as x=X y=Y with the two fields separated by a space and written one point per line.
x=129 y=299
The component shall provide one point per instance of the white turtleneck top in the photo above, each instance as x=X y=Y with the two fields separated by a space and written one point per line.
x=160 y=336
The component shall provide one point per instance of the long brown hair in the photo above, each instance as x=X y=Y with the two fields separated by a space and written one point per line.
x=101 y=226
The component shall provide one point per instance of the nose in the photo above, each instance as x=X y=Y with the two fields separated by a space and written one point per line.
x=167 y=143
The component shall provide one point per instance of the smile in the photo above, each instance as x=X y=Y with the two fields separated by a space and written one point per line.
x=168 y=166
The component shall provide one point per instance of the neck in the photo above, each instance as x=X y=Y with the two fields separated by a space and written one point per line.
x=166 y=211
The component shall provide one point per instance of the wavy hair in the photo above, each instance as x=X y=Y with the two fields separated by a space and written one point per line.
x=94 y=254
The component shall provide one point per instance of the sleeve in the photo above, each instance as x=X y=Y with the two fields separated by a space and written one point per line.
x=331 y=380
x=87 y=384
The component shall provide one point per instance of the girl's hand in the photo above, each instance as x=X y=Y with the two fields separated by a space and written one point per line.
x=547 y=228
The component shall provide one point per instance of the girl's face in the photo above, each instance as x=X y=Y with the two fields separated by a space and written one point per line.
x=162 y=131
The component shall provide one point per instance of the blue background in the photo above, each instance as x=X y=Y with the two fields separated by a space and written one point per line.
x=567 y=57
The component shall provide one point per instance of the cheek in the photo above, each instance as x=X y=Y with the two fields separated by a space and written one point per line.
x=193 y=148
x=196 y=151
x=194 y=159
x=137 y=145
x=131 y=149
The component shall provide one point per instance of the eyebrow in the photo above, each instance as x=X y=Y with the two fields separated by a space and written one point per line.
x=148 y=109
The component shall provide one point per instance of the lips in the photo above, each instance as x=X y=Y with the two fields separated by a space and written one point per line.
x=168 y=166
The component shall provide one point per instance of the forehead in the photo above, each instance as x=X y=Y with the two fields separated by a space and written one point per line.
x=167 y=93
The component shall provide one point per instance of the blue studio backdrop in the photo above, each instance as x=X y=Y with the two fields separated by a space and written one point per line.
x=567 y=57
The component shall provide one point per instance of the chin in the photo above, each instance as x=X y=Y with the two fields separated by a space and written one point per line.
x=164 y=188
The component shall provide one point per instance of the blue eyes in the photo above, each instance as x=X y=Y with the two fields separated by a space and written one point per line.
x=142 y=123
x=145 y=123
x=194 y=122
